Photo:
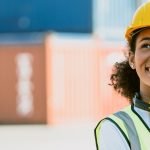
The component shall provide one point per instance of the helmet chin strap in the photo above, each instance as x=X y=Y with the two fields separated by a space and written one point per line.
x=140 y=104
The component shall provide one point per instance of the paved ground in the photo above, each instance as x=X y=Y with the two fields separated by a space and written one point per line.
x=42 y=137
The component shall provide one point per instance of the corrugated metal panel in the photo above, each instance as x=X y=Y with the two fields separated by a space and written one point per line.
x=78 y=90
x=74 y=79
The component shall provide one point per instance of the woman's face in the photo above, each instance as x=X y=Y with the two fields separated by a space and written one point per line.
x=141 y=60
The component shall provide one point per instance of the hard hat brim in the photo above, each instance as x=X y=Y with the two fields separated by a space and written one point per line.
x=129 y=31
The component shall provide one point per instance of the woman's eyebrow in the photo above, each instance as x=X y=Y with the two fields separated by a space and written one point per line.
x=145 y=39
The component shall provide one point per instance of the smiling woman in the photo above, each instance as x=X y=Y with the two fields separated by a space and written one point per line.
x=130 y=128
x=141 y=61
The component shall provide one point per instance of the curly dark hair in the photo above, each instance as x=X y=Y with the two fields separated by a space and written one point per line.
x=123 y=78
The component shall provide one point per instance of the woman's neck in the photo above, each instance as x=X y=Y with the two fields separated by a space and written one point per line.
x=145 y=97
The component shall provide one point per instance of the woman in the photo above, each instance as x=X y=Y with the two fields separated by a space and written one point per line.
x=129 y=129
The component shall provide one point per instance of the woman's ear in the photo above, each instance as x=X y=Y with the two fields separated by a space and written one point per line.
x=131 y=60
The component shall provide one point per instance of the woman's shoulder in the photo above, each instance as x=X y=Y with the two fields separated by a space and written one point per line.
x=110 y=135
x=113 y=124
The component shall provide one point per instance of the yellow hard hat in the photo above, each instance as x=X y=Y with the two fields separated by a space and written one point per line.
x=141 y=19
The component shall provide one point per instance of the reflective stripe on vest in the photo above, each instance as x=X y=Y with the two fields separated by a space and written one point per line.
x=143 y=131
x=131 y=129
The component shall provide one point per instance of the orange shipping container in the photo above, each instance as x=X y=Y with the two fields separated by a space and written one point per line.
x=77 y=74
x=22 y=82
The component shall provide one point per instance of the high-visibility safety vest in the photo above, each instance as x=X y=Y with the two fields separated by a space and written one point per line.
x=132 y=126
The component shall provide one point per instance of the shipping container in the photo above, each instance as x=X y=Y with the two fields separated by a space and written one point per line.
x=78 y=72
x=22 y=80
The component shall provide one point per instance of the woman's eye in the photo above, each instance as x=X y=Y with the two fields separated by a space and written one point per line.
x=146 y=46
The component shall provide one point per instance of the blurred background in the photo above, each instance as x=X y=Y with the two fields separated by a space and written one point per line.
x=56 y=57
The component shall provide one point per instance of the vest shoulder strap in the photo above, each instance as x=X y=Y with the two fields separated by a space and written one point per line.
x=117 y=122
x=131 y=129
